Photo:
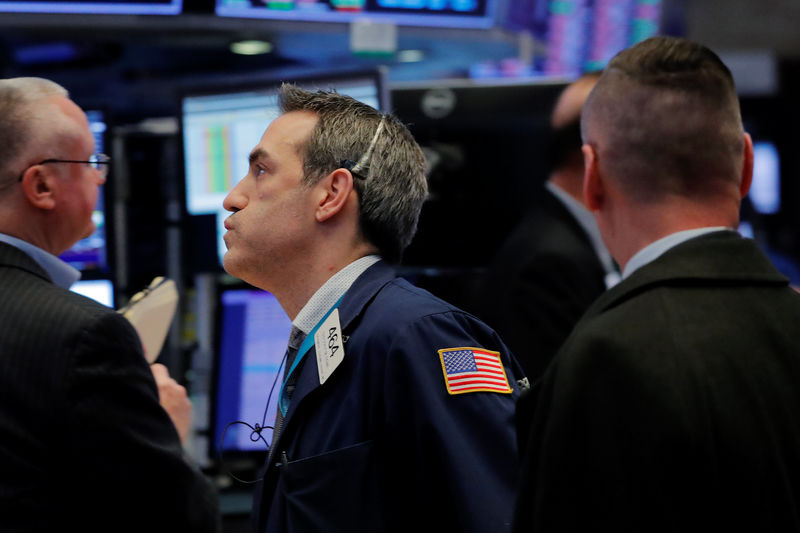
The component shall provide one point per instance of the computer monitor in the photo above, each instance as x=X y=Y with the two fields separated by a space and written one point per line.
x=100 y=290
x=252 y=332
x=91 y=253
x=221 y=125
x=124 y=7
x=487 y=137
x=765 y=190
x=583 y=36
x=441 y=13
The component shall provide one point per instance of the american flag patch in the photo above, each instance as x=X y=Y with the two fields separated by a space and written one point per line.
x=473 y=370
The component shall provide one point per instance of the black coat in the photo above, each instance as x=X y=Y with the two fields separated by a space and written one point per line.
x=540 y=283
x=84 y=443
x=675 y=403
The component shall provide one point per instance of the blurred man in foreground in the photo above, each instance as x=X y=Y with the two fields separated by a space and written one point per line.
x=84 y=443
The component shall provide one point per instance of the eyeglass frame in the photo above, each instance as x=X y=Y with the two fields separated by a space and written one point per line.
x=95 y=160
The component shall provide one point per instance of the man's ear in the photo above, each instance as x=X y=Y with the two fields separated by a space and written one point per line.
x=747 y=166
x=593 y=187
x=40 y=185
x=335 y=189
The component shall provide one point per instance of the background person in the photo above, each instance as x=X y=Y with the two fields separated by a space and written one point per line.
x=554 y=264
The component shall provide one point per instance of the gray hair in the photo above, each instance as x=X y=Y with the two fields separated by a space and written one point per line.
x=23 y=122
x=387 y=163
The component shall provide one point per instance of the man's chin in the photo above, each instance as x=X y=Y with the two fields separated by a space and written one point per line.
x=89 y=231
x=228 y=264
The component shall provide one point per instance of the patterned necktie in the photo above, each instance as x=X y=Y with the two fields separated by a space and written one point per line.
x=295 y=340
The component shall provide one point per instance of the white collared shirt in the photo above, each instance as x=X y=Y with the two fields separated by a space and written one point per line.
x=586 y=221
x=655 y=249
x=327 y=295
x=60 y=272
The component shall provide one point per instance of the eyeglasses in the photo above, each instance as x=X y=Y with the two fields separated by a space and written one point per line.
x=98 y=162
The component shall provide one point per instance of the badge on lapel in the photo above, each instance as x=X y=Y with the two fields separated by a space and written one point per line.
x=329 y=346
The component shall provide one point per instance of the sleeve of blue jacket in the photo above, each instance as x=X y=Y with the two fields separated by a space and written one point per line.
x=456 y=454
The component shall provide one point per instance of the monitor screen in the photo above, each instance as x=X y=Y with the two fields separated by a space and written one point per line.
x=252 y=333
x=100 y=290
x=765 y=190
x=220 y=127
x=487 y=137
x=123 y=7
x=90 y=253
x=443 y=13
x=582 y=35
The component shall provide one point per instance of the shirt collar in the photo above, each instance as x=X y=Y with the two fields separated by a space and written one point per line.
x=60 y=272
x=330 y=292
x=586 y=221
x=655 y=249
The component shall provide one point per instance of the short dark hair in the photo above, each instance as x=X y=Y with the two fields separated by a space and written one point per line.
x=669 y=117
x=564 y=140
x=392 y=185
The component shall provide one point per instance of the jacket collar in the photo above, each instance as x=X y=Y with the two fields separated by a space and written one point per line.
x=364 y=290
x=355 y=300
x=716 y=258
x=13 y=257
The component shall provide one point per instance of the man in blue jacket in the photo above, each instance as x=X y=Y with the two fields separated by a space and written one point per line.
x=396 y=409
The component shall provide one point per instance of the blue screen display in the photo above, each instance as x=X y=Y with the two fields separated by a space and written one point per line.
x=100 y=290
x=253 y=332
x=444 y=13
x=583 y=35
x=91 y=253
x=765 y=190
x=129 y=7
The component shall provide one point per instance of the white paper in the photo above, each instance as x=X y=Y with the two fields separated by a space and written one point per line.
x=151 y=312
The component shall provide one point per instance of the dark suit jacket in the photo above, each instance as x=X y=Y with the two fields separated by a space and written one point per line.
x=381 y=445
x=84 y=443
x=675 y=403
x=542 y=280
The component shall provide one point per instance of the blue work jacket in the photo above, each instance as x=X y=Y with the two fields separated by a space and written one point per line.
x=382 y=445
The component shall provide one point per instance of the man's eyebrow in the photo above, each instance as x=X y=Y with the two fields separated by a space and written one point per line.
x=257 y=154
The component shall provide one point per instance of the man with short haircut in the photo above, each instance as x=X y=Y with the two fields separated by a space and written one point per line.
x=395 y=411
x=674 y=405
x=84 y=444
